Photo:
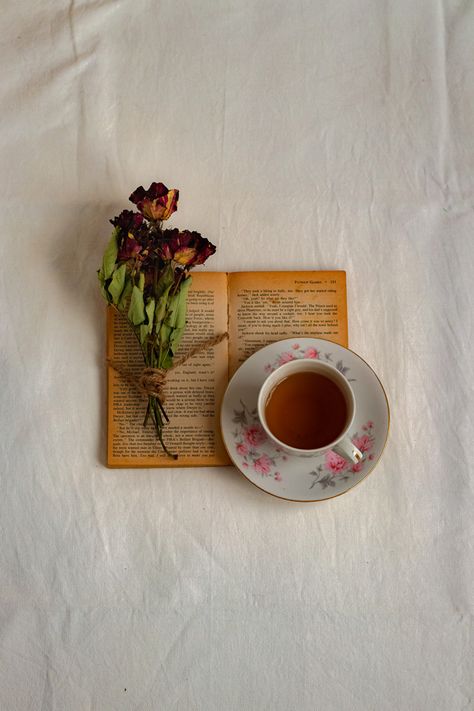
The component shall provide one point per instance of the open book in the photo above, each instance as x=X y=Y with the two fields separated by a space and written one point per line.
x=256 y=308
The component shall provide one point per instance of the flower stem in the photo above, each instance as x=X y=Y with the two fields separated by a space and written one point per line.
x=163 y=411
x=147 y=414
x=159 y=426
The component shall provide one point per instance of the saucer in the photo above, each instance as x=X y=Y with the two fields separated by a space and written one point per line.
x=293 y=478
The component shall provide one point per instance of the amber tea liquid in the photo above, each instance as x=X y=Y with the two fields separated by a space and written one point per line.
x=306 y=410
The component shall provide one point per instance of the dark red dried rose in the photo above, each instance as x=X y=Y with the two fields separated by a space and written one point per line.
x=156 y=203
x=129 y=248
x=128 y=221
x=133 y=234
x=186 y=248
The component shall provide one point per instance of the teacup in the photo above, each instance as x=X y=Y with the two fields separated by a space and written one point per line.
x=307 y=402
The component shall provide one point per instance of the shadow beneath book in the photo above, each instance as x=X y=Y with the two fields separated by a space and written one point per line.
x=76 y=255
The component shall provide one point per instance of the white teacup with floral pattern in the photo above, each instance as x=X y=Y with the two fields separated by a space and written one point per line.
x=343 y=444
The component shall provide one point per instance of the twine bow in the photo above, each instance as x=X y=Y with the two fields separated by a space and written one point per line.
x=151 y=381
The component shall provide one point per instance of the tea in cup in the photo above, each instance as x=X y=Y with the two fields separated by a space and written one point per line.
x=307 y=408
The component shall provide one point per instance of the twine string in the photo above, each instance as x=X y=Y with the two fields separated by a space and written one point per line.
x=151 y=381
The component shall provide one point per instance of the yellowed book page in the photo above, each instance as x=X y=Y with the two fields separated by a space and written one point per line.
x=269 y=306
x=193 y=392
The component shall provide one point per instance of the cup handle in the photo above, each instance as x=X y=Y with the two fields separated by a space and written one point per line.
x=346 y=449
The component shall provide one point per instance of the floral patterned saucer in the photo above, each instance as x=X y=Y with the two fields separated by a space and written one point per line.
x=297 y=478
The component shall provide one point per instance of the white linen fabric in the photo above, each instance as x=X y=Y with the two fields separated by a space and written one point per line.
x=305 y=134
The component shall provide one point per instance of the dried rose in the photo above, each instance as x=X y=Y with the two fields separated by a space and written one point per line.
x=156 y=203
x=133 y=233
x=129 y=248
x=186 y=248
x=128 y=221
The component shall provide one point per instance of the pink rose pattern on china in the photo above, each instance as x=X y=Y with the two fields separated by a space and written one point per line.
x=336 y=468
x=286 y=358
x=364 y=443
x=309 y=352
x=249 y=436
x=335 y=462
x=242 y=449
x=263 y=465
x=254 y=435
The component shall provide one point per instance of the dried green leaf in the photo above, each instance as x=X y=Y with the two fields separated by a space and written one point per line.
x=103 y=290
x=179 y=320
x=175 y=339
x=136 y=312
x=126 y=293
x=117 y=284
x=174 y=323
x=166 y=362
x=160 y=311
x=182 y=303
x=165 y=281
x=150 y=310
x=172 y=310
x=110 y=255
x=165 y=331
